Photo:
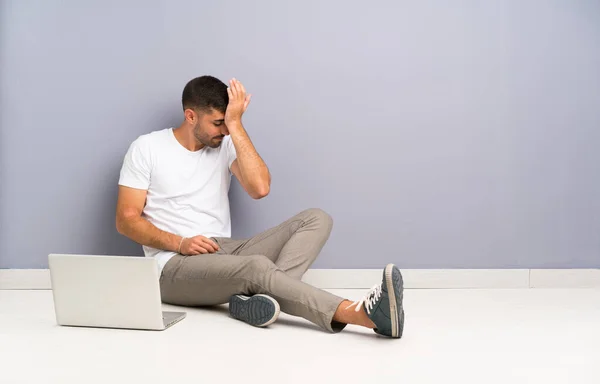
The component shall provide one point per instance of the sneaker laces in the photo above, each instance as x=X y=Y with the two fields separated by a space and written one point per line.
x=369 y=300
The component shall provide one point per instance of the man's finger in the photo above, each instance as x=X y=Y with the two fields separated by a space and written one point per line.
x=247 y=101
x=193 y=252
x=202 y=250
x=214 y=243
x=215 y=246
x=233 y=88
x=241 y=86
x=208 y=246
x=229 y=93
x=198 y=246
x=205 y=243
x=241 y=90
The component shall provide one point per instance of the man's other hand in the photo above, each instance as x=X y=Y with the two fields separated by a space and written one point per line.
x=198 y=245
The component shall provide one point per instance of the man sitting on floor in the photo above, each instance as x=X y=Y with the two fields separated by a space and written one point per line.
x=173 y=200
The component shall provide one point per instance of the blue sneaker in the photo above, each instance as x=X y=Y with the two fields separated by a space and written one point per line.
x=258 y=310
x=383 y=304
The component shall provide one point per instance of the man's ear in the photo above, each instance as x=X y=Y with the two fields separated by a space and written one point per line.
x=191 y=116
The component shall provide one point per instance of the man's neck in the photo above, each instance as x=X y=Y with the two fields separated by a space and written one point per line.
x=185 y=136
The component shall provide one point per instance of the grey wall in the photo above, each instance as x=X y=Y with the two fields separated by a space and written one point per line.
x=437 y=134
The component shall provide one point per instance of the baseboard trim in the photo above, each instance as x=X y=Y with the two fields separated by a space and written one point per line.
x=565 y=278
x=421 y=278
x=30 y=279
x=25 y=279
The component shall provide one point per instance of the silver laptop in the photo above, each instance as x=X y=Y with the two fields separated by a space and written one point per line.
x=108 y=292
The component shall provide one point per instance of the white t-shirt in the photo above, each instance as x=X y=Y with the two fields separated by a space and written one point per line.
x=187 y=191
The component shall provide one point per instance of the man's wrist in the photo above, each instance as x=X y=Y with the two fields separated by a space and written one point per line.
x=180 y=244
x=234 y=125
x=175 y=243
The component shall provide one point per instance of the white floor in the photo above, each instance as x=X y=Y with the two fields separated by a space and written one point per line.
x=451 y=336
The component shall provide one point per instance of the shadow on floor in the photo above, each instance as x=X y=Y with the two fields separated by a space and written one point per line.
x=294 y=322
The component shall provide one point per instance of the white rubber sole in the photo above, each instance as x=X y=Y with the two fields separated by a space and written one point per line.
x=392 y=299
x=277 y=310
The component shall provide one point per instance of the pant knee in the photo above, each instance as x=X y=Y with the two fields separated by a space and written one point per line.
x=258 y=272
x=321 y=217
x=259 y=264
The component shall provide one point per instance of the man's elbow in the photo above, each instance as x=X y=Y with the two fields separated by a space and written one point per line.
x=122 y=221
x=120 y=225
x=261 y=192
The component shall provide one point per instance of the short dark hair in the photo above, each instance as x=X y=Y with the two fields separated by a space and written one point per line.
x=205 y=93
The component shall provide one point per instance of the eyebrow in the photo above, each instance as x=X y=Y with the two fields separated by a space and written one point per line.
x=218 y=121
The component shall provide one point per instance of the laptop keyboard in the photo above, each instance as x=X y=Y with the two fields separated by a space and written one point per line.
x=171 y=319
x=170 y=322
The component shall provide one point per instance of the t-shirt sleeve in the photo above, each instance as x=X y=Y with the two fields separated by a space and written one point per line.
x=137 y=166
x=231 y=153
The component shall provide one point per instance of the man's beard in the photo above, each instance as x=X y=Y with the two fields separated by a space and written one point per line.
x=203 y=139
